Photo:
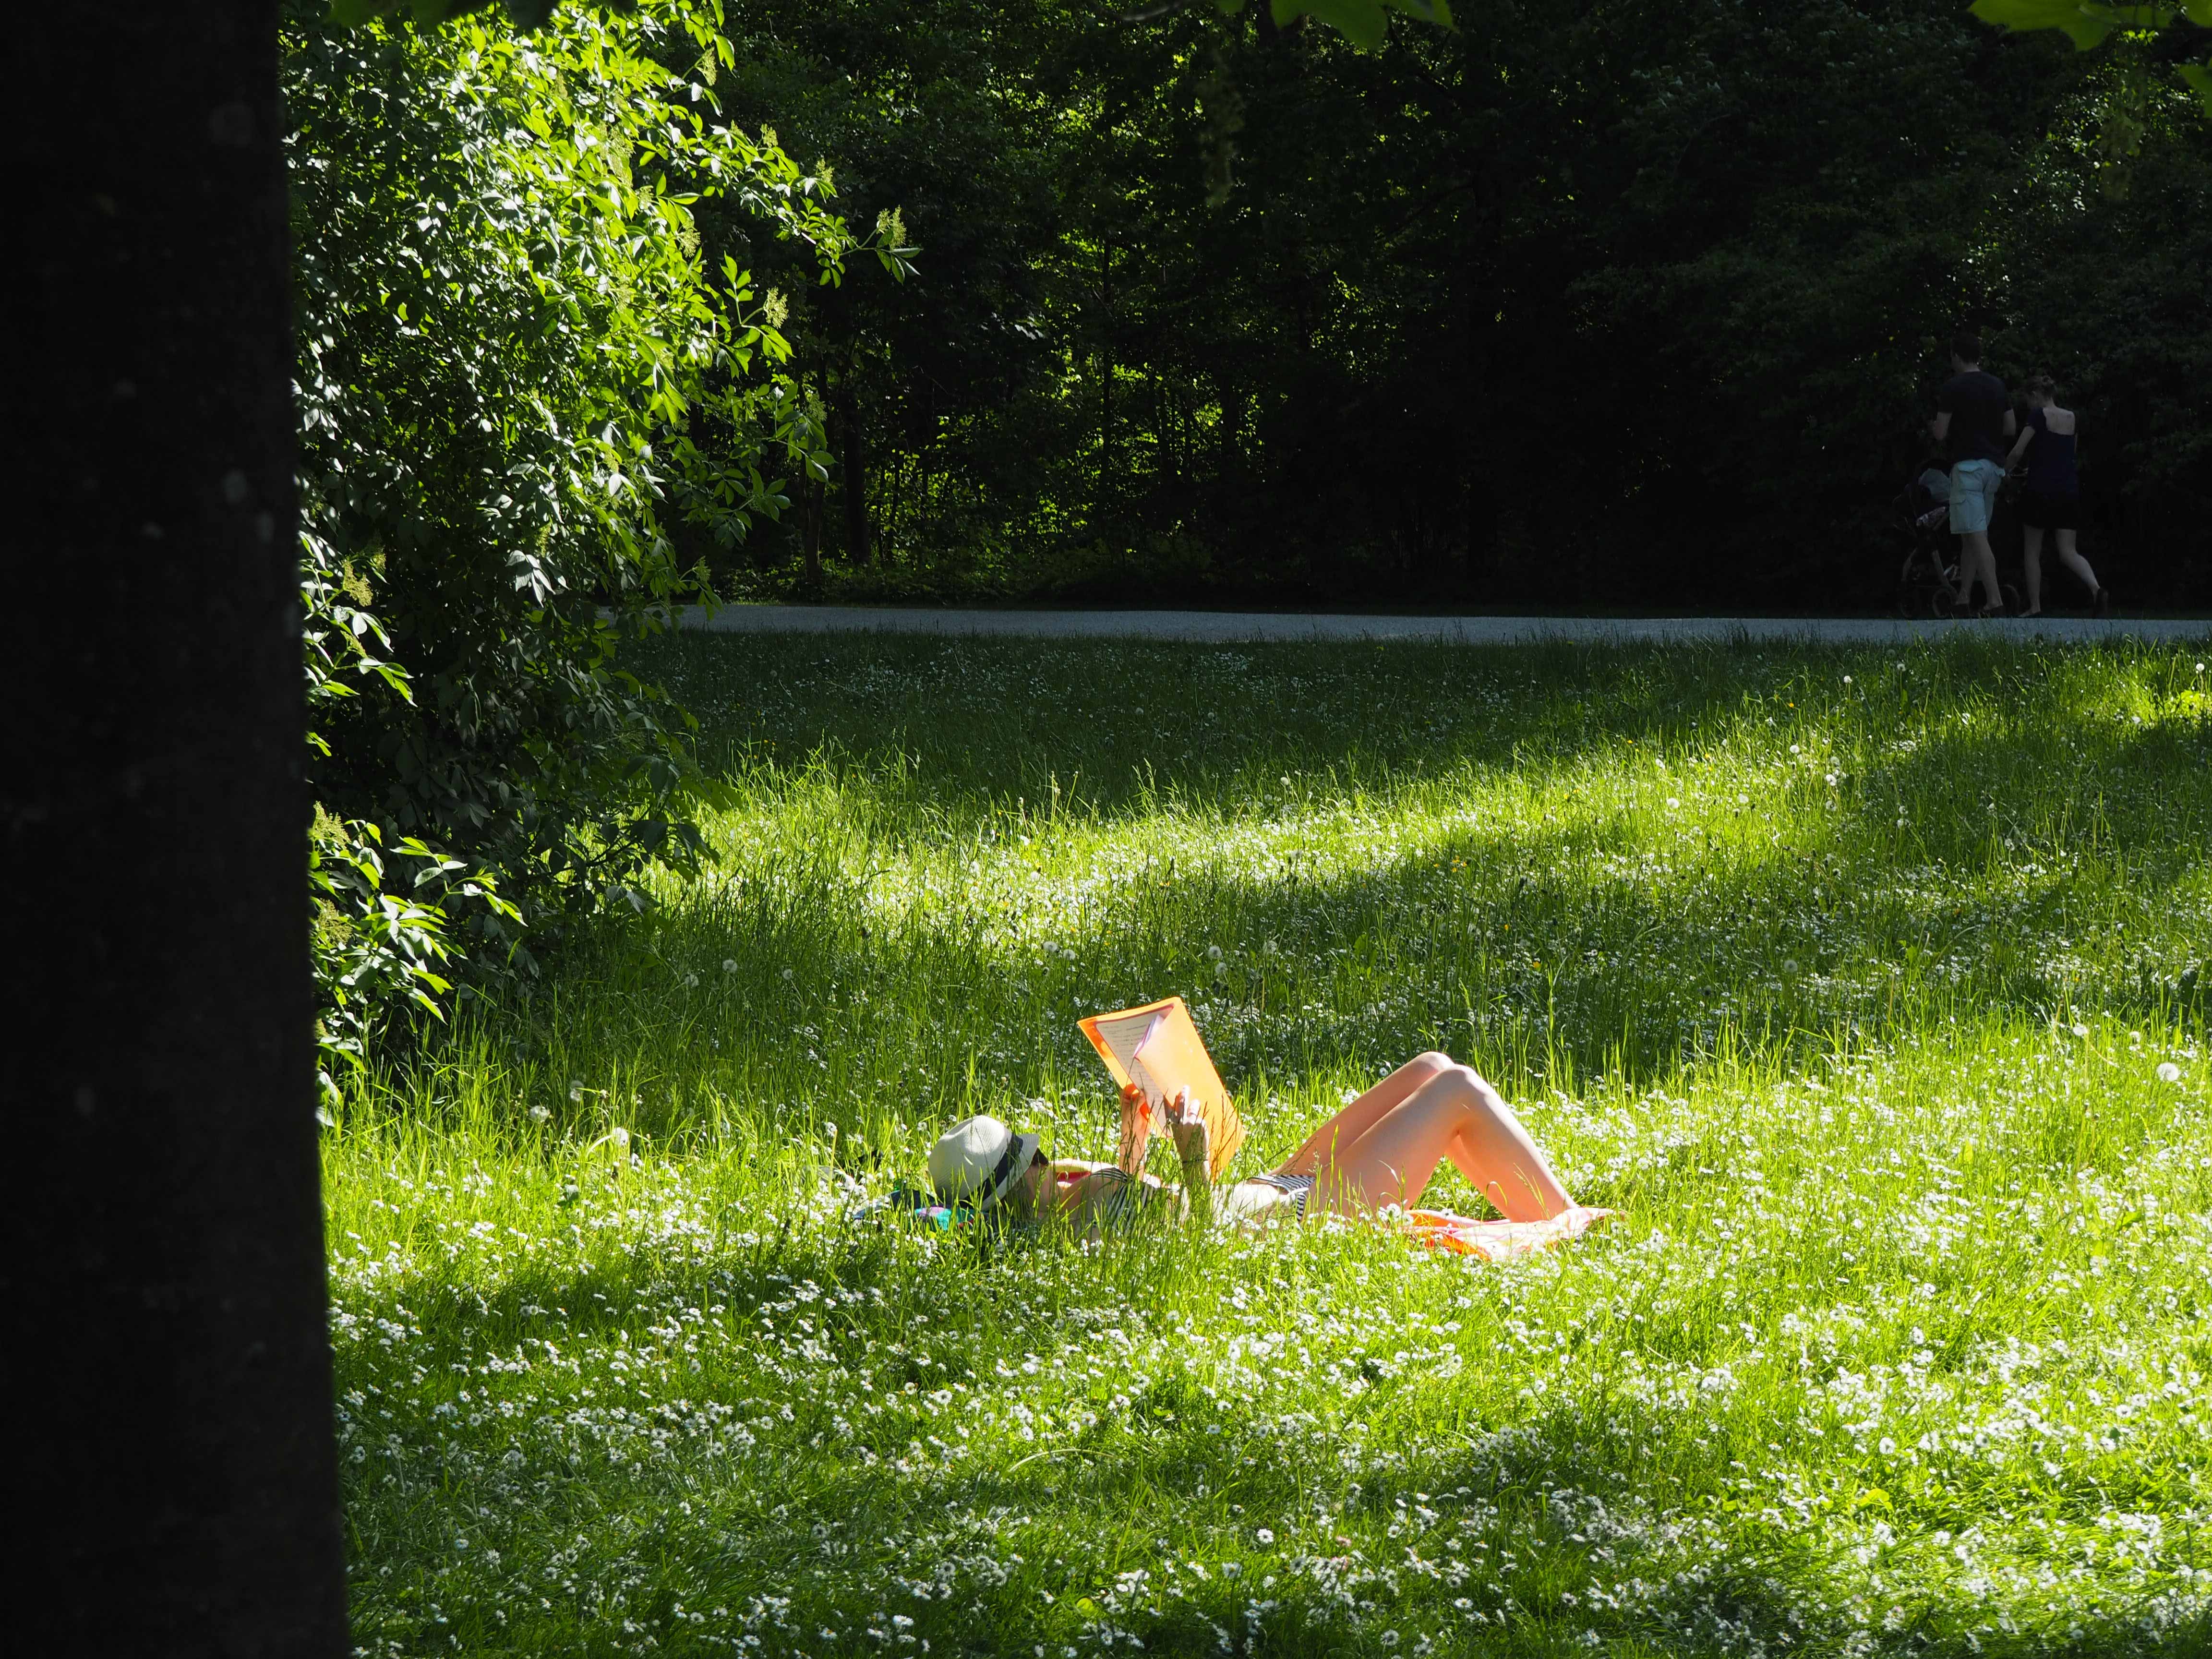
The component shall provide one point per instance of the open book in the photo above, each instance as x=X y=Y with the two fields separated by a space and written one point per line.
x=1158 y=1048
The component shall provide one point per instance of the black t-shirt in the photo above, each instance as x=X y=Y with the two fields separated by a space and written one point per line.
x=1976 y=403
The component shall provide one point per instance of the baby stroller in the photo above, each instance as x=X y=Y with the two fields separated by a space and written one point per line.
x=1928 y=583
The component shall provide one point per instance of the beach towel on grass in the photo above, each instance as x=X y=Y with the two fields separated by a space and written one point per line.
x=1499 y=1241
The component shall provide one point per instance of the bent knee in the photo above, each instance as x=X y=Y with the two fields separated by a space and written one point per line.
x=1469 y=1082
x=1435 y=1060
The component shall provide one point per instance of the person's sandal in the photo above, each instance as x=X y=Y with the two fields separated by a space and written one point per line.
x=2103 y=602
x=1989 y=611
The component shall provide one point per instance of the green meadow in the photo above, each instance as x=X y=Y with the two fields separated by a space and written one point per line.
x=1868 y=987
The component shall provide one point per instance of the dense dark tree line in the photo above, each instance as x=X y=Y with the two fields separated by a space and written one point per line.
x=1610 y=303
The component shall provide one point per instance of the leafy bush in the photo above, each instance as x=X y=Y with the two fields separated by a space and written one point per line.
x=511 y=359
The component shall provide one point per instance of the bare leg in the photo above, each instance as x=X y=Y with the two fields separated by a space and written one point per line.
x=1970 y=570
x=2031 y=554
x=1978 y=561
x=2074 y=561
x=1365 y=1113
x=1452 y=1114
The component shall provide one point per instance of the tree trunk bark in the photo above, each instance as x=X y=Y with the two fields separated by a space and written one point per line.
x=810 y=521
x=810 y=529
x=852 y=461
x=166 y=1352
x=1105 y=382
x=1479 y=438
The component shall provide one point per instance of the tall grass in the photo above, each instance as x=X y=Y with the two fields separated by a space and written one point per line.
x=1870 y=989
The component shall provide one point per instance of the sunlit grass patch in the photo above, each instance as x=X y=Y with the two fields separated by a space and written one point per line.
x=1868 y=988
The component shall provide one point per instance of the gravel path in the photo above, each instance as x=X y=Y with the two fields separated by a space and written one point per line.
x=1239 y=627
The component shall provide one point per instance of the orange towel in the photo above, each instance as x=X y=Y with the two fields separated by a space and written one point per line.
x=1499 y=1241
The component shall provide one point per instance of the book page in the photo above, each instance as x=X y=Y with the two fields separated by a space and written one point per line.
x=1123 y=1035
x=1118 y=1037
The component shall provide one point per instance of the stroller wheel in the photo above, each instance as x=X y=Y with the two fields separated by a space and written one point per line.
x=1941 y=601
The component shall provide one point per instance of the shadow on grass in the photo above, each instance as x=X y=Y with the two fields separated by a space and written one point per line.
x=1544 y=952
x=969 y=728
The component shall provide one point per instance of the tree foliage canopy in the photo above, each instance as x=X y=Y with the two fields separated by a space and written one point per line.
x=2089 y=24
x=1612 y=304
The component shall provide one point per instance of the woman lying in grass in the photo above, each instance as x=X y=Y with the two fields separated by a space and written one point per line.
x=1381 y=1150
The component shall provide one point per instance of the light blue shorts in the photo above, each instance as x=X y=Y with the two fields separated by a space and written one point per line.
x=1973 y=496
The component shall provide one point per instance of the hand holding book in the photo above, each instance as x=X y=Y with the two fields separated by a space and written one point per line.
x=1136 y=1130
x=1193 y=1136
x=1156 y=1055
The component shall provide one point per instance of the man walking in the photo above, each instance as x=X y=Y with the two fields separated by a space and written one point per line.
x=1973 y=419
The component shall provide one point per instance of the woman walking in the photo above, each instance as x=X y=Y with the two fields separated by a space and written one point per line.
x=2053 y=497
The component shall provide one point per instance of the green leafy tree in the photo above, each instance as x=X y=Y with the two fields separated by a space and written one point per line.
x=1635 y=305
x=515 y=367
x=2153 y=38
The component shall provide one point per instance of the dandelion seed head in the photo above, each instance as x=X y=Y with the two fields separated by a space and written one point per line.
x=2168 y=1071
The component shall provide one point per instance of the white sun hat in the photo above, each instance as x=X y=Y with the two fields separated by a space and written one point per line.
x=976 y=1159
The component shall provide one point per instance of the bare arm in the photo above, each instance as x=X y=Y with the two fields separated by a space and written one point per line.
x=1940 y=427
x=2020 y=446
x=1193 y=1148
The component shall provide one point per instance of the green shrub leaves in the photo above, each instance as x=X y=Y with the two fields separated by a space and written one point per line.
x=515 y=355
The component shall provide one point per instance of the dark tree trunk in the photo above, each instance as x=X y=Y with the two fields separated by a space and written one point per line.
x=1476 y=271
x=852 y=462
x=1105 y=382
x=897 y=474
x=810 y=524
x=165 y=1355
x=810 y=529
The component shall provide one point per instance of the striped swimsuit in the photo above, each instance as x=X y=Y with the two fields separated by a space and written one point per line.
x=1116 y=1201
x=1298 y=1187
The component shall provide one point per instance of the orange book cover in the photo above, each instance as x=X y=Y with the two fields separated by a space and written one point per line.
x=1158 y=1048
